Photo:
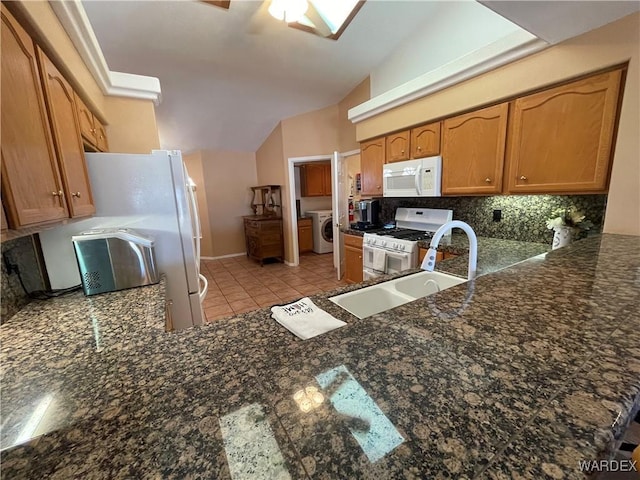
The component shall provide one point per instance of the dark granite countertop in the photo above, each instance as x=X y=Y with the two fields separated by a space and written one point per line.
x=493 y=253
x=521 y=373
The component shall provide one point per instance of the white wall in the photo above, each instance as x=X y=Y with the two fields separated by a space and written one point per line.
x=430 y=48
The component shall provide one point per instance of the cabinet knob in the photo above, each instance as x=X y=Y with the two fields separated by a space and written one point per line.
x=523 y=177
x=77 y=194
x=419 y=149
x=378 y=187
x=402 y=152
x=57 y=194
x=488 y=180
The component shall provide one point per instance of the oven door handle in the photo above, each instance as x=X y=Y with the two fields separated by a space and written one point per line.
x=418 y=178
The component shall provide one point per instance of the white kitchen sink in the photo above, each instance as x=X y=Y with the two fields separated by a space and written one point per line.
x=387 y=295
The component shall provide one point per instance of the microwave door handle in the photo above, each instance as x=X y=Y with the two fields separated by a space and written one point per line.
x=418 y=178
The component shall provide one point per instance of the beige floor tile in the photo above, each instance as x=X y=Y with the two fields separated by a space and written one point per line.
x=243 y=304
x=240 y=295
x=213 y=300
x=308 y=289
x=218 y=310
x=213 y=318
x=239 y=284
x=228 y=288
x=265 y=297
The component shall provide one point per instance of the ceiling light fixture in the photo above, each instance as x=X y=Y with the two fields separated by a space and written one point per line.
x=288 y=10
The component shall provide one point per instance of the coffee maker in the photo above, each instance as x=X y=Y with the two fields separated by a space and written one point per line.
x=369 y=214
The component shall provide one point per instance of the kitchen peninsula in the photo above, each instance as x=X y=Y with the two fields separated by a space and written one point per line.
x=529 y=369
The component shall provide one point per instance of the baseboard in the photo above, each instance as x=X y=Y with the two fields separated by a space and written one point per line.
x=224 y=256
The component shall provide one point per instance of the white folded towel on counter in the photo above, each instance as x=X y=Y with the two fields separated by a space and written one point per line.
x=379 y=260
x=304 y=319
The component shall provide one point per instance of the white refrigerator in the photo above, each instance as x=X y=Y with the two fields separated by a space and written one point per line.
x=154 y=195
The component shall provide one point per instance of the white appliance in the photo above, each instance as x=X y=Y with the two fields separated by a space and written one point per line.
x=154 y=195
x=413 y=178
x=322 y=225
x=395 y=250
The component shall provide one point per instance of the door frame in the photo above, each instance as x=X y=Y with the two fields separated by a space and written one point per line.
x=292 y=217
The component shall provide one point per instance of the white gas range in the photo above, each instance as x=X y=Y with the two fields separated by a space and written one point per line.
x=395 y=250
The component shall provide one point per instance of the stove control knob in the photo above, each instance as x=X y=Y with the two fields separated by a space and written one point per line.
x=402 y=247
x=394 y=245
x=383 y=243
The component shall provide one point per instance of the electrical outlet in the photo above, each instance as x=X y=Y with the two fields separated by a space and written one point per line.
x=497 y=215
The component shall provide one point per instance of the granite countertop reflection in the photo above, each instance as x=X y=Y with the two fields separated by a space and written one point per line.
x=522 y=373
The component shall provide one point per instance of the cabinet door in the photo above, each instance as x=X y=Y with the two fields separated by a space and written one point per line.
x=305 y=238
x=371 y=164
x=327 y=180
x=31 y=186
x=425 y=140
x=561 y=139
x=473 y=151
x=422 y=252
x=67 y=139
x=398 y=147
x=85 y=119
x=353 y=264
x=101 y=136
x=312 y=180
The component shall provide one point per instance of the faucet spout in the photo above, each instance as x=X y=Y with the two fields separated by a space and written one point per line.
x=429 y=261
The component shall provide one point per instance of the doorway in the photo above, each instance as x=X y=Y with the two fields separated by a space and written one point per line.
x=339 y=202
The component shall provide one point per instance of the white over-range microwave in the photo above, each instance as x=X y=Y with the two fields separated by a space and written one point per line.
x=413 y=178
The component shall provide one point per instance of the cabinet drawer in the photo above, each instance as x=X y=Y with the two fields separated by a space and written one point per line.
x=270 y=238
x=353 y=241
x=267 y=228
x=269 y=251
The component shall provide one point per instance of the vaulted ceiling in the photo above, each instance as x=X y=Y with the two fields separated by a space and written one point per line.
x=228 y=76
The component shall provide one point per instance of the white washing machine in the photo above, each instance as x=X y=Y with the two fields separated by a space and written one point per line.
x=322 y=223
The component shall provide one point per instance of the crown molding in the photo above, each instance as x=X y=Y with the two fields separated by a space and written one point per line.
x=505 y=50
x=74 y=20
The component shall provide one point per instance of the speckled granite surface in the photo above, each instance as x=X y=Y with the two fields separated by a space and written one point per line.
x=493 y=253
x=519 y=374
x=523 y=216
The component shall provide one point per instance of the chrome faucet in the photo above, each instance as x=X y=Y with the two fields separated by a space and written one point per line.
x=429 y=261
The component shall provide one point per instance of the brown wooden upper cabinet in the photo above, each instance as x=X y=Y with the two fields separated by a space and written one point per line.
x=67 y=139
x=372 y=157
x=93 y=132
x=315 y=179
x=561 y=138
x=473 y=147
x=425 y=140
x=32 y=190
x=397 y=148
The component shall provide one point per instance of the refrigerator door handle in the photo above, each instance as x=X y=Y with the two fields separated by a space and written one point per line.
x=196 y=219
x=205 y=287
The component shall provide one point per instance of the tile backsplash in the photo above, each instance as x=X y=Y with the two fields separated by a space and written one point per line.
x=21 y=252
x=523 y=216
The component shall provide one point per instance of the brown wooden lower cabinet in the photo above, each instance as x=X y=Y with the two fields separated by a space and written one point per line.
x=422 y=252
x=263 y=237
x=353 y=258
x=305 y=235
